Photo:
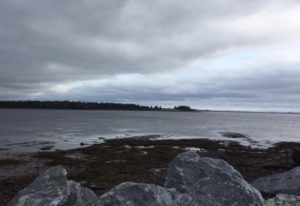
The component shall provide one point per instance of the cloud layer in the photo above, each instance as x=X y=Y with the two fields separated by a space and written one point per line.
x=227 y=54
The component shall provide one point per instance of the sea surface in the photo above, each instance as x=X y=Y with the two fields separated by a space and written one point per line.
x=27 y=130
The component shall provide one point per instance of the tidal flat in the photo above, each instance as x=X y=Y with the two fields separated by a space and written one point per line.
x=139 y=159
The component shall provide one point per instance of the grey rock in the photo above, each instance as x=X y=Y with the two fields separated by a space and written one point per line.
x=283 y=200
x=137 y=194
x=210 y=182
x=192 y=180
x=53 y=188
x=286 y=183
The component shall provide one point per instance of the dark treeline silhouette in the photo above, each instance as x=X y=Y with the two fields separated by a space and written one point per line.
x=184 y=108
x=83 y=106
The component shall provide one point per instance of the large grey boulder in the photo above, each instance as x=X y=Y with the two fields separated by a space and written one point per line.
x=192 y=180
x=283 y=200
x=52 y=188
x=137 y=194
x=286 y=183
x=210 y=182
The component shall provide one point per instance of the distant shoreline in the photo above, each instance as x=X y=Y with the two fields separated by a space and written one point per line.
x=105 y=106
x=255 y=112
x=76 y=105
x=162 y=110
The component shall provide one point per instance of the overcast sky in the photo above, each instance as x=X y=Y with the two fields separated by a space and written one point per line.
x=210 y=54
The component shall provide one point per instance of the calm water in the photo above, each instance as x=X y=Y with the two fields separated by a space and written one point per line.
x=29 y=130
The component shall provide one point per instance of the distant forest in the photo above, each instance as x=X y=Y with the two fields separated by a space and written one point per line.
x=86 y=106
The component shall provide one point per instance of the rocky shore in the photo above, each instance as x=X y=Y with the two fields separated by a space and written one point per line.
x=101 y=167
x=191 y=180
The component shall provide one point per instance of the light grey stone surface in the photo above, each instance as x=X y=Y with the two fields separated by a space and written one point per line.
x=283 y=200
x=53 y=188
x=137 y=194
x=192 y=180
x=210 y=182
x=286 y=183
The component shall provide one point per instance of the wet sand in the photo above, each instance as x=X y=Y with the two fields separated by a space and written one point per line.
x=139 y=159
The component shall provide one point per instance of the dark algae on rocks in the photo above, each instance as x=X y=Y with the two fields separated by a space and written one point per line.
x=101 y=167
x=192 y=180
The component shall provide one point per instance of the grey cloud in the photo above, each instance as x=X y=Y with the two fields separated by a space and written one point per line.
x=62 y=43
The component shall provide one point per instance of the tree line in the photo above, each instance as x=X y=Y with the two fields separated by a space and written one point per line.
x=85 y=106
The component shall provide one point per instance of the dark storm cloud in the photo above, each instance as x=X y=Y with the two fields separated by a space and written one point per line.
x=150 y=50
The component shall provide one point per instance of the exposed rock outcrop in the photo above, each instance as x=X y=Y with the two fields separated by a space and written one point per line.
x=53 y=188
x=136 y=194
x=210 y=182
x=192 y=180
x=283 y=200
x=286 y=183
